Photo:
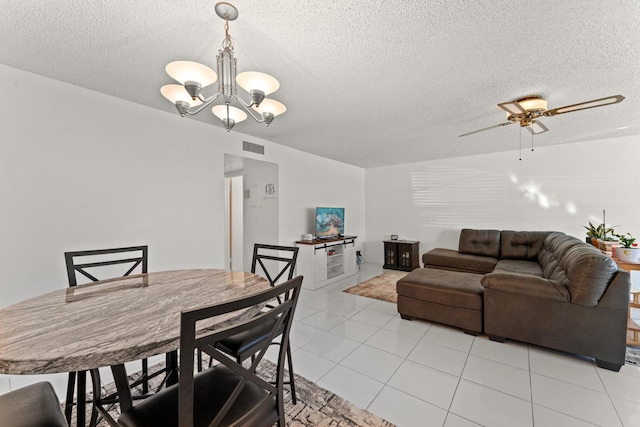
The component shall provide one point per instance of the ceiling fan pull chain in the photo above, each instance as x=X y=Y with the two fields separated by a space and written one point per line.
x=520 y=147
x=531 y=136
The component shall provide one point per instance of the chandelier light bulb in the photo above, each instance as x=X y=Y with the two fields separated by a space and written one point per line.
x=270 y=106
x=235 y=114
x=188 y=71
x=255 y=80
x=176 y=93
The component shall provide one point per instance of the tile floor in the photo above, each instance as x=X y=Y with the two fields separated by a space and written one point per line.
x=416 y=373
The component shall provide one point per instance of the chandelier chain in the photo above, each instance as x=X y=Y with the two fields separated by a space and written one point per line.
x=227 y=43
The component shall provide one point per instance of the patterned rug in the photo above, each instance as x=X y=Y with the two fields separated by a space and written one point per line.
x=380 y=287
x=633 y=355
x=383 y=287
x=316 y=406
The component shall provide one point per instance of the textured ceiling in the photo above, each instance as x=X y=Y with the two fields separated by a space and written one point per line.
x=369 y=83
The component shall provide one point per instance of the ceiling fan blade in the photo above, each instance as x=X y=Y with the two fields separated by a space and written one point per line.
x=512 y=107
x=490 y=127
x=585 y=105
x=537 y=127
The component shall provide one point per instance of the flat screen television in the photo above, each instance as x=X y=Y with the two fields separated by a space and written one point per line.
x=329 y=222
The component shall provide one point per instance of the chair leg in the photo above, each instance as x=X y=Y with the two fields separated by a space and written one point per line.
x=199 y=360
x=97 y=396
x=292 y=383
x=172 y=368
x=71 y=388
x=81 y=398
x=145 y=377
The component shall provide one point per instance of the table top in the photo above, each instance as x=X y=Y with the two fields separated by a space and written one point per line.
x=627 y=266
x=112 y=321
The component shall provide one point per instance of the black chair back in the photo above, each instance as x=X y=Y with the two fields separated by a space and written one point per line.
x=95 y=265
x=33 y=405
x=228 y=393
x=274 y=261
x=283 y=316
x=89 y=263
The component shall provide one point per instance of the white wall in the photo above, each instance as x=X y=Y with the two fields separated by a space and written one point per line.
x=260 y=213
x=82 y=170
x=553 y=188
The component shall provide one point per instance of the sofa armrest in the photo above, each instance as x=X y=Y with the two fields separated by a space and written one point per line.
x=525 y=284
x=617 y=293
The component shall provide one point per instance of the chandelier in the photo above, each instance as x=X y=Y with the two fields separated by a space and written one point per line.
x=194 y=78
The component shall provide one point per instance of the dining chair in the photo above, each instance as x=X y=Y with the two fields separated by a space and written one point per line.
x=273 y=262
x=227 y=393
x=92 y=266
x=35 y=405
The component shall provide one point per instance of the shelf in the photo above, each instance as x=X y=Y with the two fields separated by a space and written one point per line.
x=333 y=272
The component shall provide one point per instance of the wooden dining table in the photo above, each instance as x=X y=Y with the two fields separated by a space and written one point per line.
x=110 y=322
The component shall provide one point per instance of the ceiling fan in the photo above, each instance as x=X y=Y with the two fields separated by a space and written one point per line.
x=529 y=109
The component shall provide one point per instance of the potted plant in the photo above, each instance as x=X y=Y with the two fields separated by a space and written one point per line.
x=602 y=237
x=629 y=251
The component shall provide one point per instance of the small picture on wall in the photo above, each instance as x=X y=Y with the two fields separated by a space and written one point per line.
x=270 y=191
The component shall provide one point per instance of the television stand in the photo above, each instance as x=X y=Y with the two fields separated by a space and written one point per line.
x=326 y=261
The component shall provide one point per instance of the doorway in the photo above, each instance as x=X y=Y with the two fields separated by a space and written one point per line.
x=234 y=218
x=251 y=208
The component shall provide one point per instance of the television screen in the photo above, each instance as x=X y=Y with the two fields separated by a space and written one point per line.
x=329 y=222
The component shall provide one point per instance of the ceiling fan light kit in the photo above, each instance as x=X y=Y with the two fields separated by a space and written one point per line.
x=193 y=77
x=527 y=111
x=525 y=105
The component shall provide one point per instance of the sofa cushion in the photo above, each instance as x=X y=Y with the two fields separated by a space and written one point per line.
x=452 y=288
x=525 y=284
x=583 y=269
x=448 y=259
x=519 y=266
x=523 y=245
x=479 y=242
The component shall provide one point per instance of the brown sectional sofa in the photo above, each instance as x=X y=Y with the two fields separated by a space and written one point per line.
x=543 y=288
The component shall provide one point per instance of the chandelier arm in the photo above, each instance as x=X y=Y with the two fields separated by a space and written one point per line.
x=250 y=110
x=205 y=104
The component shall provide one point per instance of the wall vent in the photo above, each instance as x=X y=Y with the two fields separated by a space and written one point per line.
x=254 y=148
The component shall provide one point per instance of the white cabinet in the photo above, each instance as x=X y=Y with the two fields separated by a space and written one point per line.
x=323 y=262
x=319 y=261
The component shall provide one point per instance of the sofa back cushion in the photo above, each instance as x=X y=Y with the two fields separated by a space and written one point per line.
x=480 y=242
x=582 y=268
x=522 y=245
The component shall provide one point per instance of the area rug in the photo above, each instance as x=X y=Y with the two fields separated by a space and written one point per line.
x=632 y=357
x=380 y=287
x=383 y=287
x=316 y=406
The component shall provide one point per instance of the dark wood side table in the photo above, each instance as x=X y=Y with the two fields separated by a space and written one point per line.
x=401 y=255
